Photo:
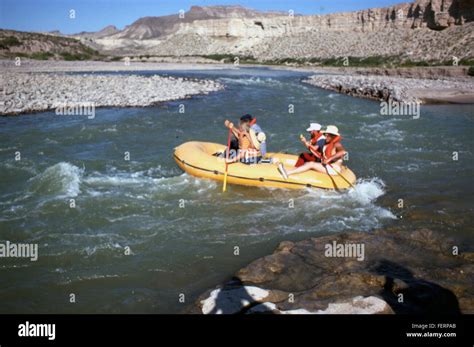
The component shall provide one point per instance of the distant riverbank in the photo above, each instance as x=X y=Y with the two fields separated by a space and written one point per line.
x=25 y=90
x=28 y=65
x=33 y=88
x=407 y=90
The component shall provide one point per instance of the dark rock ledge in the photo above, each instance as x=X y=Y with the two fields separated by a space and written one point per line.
x=299 y=278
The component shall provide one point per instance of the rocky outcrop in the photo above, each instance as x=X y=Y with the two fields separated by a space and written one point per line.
x=107 y=31
x=17 y=44
x=435 y=30
x=156 y=27
x=404 y=90
x=425 y=30
x=432 y=72
x=76 y=94
x=400 y=272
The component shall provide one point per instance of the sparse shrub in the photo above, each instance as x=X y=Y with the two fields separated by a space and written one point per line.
x=9 y=41
x=41 y=55
x=470 y=71
x=75 y=56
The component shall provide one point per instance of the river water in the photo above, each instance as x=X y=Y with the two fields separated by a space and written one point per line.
x=181 y=232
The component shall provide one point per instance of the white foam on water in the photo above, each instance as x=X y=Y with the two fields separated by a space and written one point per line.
x=89 y=278
x=366 y=191
x=112 y=129
x=412 y=167
x=60 y=180
x=23 y=165
x=250 y=81
x=114 y=177
x=5 y=149
x=141 y=186
x=384 y=127
x=97 y=179
x=371 y=115
x=91 y=250
x=329 y=210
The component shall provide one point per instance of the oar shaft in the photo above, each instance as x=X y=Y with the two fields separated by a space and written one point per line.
x=345 y=179
x=320 y=157
x=224 y=187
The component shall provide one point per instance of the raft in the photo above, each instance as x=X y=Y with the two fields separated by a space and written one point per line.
x=196 y=158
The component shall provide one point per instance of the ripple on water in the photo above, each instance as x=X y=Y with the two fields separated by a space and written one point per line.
x=138 y=197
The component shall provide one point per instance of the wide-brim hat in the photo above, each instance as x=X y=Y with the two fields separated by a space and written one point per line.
x=332 y=129
x=257 y=139
x=314 y=127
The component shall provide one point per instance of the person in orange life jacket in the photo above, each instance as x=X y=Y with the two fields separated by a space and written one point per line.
x=331 y=152
x=250 y=141
x=316 y=137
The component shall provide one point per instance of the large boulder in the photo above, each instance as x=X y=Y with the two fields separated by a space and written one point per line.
x=393 y=271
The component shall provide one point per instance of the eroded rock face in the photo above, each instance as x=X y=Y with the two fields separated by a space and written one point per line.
x=402 y=272
x=422 y=30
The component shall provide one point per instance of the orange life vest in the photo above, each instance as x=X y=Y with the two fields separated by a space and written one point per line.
x=316 y=137
x=246 y=145
x=328 y=147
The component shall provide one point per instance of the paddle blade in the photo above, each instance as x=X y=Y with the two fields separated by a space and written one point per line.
x=224 y=186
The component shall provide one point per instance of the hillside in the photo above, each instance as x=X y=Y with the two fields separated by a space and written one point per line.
x=43 y=46
x=107 y=31
x=155 y=27
x=423 y=32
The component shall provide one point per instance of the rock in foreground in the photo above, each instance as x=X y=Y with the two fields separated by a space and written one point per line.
x=401 y=272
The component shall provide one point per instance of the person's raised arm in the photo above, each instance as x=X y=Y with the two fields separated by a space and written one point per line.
x=231 y=126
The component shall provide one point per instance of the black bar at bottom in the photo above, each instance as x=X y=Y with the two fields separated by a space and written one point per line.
x=170 y=329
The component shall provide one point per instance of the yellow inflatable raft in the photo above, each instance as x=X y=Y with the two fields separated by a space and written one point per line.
x=196 y=158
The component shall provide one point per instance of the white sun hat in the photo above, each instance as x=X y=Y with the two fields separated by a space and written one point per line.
x=331 y=129
x=314 y=127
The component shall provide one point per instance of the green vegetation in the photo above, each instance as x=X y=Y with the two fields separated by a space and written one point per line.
x=115 y=58
x=373 y=61
x=41 y=55
x=75 y=56
x=470 y=72
x=466 y=62
x=9 y=41
x=43 y=46
x=230 y=58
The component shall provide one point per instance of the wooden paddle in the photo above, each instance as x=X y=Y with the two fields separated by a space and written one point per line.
x=319 y=156
x=224 y=187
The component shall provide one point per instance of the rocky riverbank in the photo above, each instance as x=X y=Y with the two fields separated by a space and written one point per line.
x=23 y=92
x=408 y=90
x=170 y=63
x=389 y=276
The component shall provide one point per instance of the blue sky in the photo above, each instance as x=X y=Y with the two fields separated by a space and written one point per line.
x=93 y=15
